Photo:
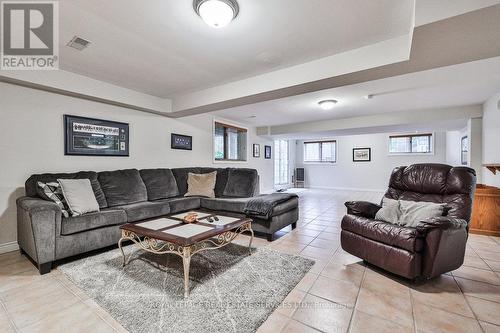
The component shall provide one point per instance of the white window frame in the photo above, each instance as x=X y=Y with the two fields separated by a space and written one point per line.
x=432 y=144
x=321 y=162
x=229 y=123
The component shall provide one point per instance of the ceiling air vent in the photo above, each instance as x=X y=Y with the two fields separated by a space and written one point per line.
x=78 y=43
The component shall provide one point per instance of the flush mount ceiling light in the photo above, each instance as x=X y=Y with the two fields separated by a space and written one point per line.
x=327 y=104
x=216 y=13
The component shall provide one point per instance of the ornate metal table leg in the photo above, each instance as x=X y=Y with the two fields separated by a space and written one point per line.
x=186 y=260
x=121 y=248
x=251 y=239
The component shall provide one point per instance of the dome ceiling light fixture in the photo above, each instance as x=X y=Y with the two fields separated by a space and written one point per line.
x=327 y=104
x=216 y=13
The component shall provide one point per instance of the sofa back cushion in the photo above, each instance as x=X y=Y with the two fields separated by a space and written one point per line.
x=438 y=183
x=123 y=187
x=221 y=180
x=160 y=183
x=181 y=177
x=31 y=184
x=241 y=183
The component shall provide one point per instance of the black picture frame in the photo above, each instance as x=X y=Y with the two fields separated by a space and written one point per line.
x=464 y=150
x=365 y=151
x=256 y=150
x=180 y=141
x=95 y=137
x=267 y=152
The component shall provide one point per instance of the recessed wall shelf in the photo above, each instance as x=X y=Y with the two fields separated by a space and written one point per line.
x=492 y=167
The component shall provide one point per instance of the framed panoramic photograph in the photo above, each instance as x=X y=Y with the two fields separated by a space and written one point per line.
x=267 y=152
x=179 y=141
x=361 y=154
x=95 y=137
x=256 y=150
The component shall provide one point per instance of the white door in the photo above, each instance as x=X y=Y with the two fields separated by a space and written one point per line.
x=281 y=162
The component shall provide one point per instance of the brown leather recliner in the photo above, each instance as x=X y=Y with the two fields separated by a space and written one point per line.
x=436 y=245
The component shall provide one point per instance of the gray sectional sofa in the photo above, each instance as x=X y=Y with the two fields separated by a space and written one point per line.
x=128 y=196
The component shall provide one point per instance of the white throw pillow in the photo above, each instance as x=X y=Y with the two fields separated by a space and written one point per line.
x=79 y=196
x=390 y=211
x=413 y=212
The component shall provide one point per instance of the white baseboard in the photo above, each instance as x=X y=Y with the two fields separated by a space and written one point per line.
x=347 y=189
x=9 y=247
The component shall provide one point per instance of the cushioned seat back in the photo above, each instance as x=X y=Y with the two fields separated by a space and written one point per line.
x=437 y=183
x=160 y=183
x=181 y=176
x=122 y=187
x=241 y=183
x=31 y=184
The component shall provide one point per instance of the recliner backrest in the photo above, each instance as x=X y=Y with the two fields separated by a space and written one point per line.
x=439 y=183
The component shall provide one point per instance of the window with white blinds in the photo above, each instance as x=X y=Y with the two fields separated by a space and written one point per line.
x=320 y=151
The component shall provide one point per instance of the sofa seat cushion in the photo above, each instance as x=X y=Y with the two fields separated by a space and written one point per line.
x=105 y=218
x=182 y=204
x=409 y=239
x=234 y=205
x=145 y=210
x=123 y=187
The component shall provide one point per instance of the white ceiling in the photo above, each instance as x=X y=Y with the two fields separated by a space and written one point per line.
x=465 y=84
x=161 y=47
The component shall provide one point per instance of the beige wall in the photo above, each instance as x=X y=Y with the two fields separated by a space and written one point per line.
x=32 y=141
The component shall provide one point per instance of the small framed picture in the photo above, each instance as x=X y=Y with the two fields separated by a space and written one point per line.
x=361 y=154
x=256 y=150
x=267 y=152
x=179 y=141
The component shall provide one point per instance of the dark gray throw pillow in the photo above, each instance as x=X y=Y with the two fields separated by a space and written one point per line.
x=241 y=183
x=160 y=183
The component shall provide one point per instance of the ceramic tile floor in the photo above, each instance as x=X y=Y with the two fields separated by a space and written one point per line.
x=339 y=294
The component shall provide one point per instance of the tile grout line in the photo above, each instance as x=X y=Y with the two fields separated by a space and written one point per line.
x=9 y=317
x=349 y=327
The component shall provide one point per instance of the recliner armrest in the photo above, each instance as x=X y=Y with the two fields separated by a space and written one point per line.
x=362 y=208
x=441 y=222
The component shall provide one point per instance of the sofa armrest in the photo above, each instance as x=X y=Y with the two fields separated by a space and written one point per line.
x=38 y=223
x=444 y=245
x=362 y=208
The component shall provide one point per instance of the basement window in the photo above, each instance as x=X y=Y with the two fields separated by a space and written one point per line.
x=410 y=144
x=320 y=151
x=230 y=142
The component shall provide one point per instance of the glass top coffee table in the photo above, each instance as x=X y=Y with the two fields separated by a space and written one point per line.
x=171 y=235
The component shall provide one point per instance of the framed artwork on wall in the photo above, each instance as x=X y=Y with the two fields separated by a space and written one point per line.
x=267 y=152
x=179 y=141
x=256 y=150
x=361 y=154
x=464 y=150
x=95 y=137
